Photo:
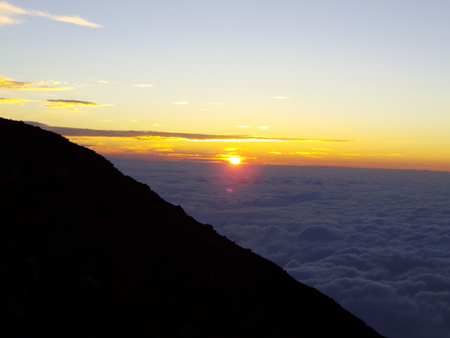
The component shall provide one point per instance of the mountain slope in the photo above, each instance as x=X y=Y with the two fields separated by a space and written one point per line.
x=88 y=252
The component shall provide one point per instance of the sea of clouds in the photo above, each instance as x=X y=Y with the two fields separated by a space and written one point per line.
x=376 y=241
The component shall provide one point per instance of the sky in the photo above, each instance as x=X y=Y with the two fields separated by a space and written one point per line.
x=377 y=241
x=336 y=83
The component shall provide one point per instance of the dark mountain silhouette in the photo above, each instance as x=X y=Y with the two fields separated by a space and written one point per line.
x=88 y=252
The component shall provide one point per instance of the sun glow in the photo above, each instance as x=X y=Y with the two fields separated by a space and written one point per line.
x=234 y=160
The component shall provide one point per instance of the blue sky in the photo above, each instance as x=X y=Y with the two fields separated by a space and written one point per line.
x=376 y=72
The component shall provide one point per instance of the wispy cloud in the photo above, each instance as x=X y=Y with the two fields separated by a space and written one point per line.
x=6 y=83
x=143 y=85
x=43 y=88
x=368 y=154
x=314 y=154
x=281 y=97
x=17 y=102
x=155 y=135
x=70 y=104
x=9 y=14
x=180 y=102
x=260 y=127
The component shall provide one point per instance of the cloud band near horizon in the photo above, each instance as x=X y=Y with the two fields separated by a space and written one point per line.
x=142 y=135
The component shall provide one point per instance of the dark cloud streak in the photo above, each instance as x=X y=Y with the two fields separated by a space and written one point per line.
x=80 y=132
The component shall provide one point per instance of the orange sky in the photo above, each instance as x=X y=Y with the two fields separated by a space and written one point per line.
x=342 y=83
x=163 y=146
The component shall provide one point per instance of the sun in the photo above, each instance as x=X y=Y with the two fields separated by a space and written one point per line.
x=234 y=160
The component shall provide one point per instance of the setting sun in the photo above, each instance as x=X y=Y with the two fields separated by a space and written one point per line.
x=234 y=160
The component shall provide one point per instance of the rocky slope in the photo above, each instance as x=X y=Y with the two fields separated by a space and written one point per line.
x=88 y=252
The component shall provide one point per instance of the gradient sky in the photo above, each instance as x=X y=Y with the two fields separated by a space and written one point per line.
x=373 y=75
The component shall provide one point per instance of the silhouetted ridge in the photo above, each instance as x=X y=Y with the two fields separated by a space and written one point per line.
x=88 y=252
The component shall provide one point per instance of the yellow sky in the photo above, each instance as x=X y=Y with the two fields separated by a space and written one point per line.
x=173 y=146
x=347 y=84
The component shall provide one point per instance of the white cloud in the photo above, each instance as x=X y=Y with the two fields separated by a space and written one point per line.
x=260 y=127
x=9 y=13
x=376 y=241
x=143 y=85
x=6 y=20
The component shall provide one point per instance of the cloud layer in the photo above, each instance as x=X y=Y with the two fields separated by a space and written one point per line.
x=377 y=241
x=9 y=16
